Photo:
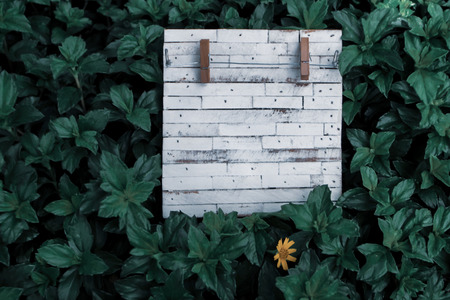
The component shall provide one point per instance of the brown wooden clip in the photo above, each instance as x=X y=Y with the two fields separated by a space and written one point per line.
x=304 y=58
x=204 y=61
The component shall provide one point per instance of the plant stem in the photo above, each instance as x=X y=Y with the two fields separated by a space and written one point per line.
x=77 y=81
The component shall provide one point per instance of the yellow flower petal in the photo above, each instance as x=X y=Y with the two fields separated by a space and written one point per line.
x=290 y=244
x=279 y=263
x=285 y=266
x=279 y=244
x=286 y=240
x=290 y=251
x=277 y=256
x=291 y=258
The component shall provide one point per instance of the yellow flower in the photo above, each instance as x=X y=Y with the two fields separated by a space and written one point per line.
x=283 y=253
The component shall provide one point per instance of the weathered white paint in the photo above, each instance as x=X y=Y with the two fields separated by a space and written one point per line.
x=245 y=155
x=236 y=182
x=183 y=35
x=250 y=143
x=300 y=168
x=226 y=102
x=299 y=129
x=284 y=36
x=182 y=102
x=322 y=36
x=257 y=136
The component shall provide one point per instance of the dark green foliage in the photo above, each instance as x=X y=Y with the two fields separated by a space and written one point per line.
x=80 y=144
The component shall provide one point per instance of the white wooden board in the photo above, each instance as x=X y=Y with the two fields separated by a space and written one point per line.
x=257 y=136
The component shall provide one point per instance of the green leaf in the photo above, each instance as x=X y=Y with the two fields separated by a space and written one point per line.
x=144 y=242
x=151 y=73
x=78 y=231
x=133 y=288
x=435 y=245
x=114 y=172
x=207 y=272
x=440 y=169
x=152 y=32
x=378 y=23
x=382 y=80
x=129 y=46
x=60 y=208
x=122 y=98
x=369 y=177
x=65 y=127
x=8 y=94
x=73 y=48
x=69 y=285
x=60 y=256
x=11 y=227
x=357 y=198
x=10 y=293
x=87 y=139
x=140 y=117
x=403 y=191
x=426 y=84
x=4 y=255
x=68 y=97
x=91 y=264
x=199 y=246
x=94 y=64
x=351 y=27
x=379 y=261
x=13 y=19
x=73 y=17
x=58 y=66
x=362 y=157
x=349 y=111
x=351 y=56
x=94 y=120
x=26 y=212
x=315 y=15
x=441 y=220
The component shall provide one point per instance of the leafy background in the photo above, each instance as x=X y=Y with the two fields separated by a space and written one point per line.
x=80 y=141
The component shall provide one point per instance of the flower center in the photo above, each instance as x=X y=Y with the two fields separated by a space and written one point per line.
x=284 y=253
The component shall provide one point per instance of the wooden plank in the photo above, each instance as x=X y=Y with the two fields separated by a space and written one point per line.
x=262 y=116
x=232 y=48
x=288 y=89
x=247 y=129
x=286 y=181
x=217 y=89
x=327 y=141
x=192 y=130
x=187 y=143
x=229 y=143
x=245 y=155
x=284 y=36
x=300 y=168
x=322 y=36
x=299 y=129
x=242 y=36
x=204 y=61
x=287 y=74
x=288 y=142
x=318 y=102
x=252 y=169
x=182 y=102
x=236 y=182
x=328 y=89
x=226 y=102
x=316 y=49
x=187 y=183
x=183 y=35
x=194 y=170
x=278 y=102
x=236 y=196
